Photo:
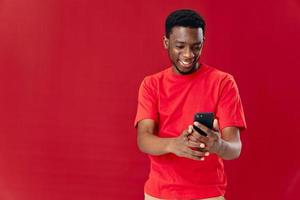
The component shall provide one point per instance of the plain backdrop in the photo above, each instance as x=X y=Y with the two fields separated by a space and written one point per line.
x=69 y=77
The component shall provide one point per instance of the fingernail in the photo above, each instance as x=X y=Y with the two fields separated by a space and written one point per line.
x=202 y=145
x=206 y=154
x=202 y=158
x=196 y=123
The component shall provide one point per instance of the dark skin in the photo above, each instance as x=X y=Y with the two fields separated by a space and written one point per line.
x=184 y=48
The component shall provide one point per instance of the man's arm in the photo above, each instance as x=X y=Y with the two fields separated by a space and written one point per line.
x=231 y=144
x=151 y=144
x=148 y=142
x=228 y=147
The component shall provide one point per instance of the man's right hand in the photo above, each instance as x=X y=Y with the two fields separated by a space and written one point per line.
x=183 y=147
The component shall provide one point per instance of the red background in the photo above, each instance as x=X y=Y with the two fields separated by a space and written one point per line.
x=69 y=75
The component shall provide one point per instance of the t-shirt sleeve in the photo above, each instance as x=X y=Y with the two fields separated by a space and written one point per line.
x=147 y=107
x=230 y=109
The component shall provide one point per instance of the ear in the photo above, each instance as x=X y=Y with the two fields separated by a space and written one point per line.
x=166 y=42
x=203 y=42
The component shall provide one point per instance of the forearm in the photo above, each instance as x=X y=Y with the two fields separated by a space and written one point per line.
x=229 y=150
x=152 y=144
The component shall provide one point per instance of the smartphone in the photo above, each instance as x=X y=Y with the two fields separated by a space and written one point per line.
x=205 y=118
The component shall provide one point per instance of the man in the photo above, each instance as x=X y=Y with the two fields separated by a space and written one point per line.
x=184 y=164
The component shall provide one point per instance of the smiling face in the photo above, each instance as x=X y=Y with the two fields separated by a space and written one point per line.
x=184 y=47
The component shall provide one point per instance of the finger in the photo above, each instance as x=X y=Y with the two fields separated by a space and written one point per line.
x=185 y=133
x=193 y=138
x=193 y=144
x=213 y=135
x=202 y=145
x=196 y=138
x=199 y=131
x=188 y=154
x=196 y=144
x=199 y=148
x=193 y=157
x=196 y=134
x=216 y=125
x=190 y=129
x=195 y=152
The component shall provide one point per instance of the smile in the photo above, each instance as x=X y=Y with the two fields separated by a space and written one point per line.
x=186 y=63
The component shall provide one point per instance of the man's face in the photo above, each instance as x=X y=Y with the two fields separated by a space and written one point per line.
x=184 y=47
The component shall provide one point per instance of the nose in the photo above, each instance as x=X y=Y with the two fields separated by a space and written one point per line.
x=188 y=53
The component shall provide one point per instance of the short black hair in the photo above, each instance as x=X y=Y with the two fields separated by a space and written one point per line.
x=185 y=18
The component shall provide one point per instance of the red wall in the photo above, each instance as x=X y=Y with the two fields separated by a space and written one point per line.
x=69 y=74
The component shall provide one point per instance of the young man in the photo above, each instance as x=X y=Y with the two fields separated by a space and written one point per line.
x=184 y=164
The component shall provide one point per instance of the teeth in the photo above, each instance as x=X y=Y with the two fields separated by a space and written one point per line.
x=186 y=63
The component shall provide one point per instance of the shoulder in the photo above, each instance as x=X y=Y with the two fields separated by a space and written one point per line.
x=217 y=75
x=153 y=79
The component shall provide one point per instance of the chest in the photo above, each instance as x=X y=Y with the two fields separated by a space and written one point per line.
x=193 y=96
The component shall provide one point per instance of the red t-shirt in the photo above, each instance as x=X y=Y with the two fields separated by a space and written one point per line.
x=172 y=100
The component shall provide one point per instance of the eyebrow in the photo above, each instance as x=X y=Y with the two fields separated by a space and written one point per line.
x=181 y=42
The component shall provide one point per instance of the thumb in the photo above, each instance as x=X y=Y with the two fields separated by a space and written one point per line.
x=188 y=131
x=216 y=125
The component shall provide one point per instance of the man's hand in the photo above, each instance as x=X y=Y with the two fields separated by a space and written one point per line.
x=183 y=147
x=210 y=143
x=227 y=147
x=213 y=139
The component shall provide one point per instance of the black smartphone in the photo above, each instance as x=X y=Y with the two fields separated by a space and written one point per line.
x=205 y=118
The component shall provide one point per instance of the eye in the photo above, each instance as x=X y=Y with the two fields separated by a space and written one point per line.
x=197 y=48
x=179 y=46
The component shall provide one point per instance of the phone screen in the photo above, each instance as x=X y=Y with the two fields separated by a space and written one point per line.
x=205 y=118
